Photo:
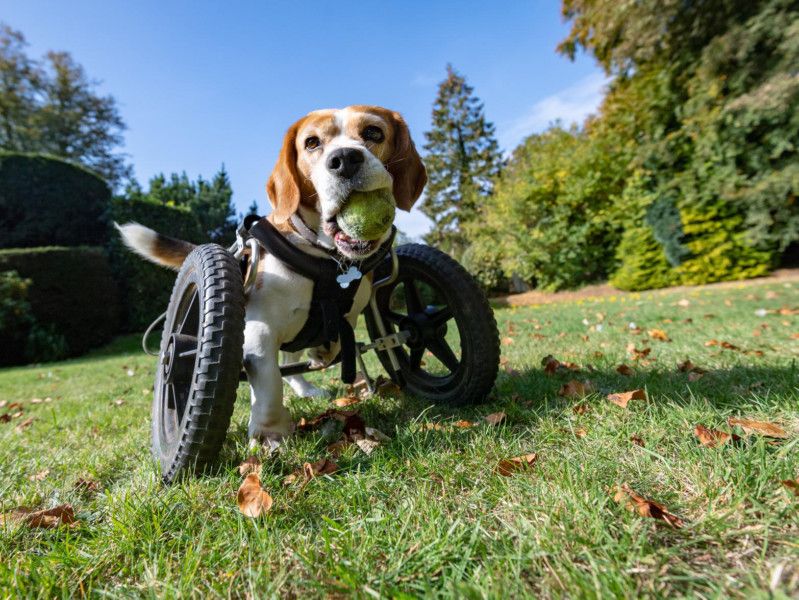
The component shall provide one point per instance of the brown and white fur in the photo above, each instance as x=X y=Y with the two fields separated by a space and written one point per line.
x=326 y=156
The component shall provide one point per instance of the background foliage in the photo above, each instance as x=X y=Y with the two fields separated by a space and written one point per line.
x=48 y=201
x=63 y=302
x=688 y=174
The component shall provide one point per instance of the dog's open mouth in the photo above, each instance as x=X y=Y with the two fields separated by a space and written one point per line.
x=349 y=246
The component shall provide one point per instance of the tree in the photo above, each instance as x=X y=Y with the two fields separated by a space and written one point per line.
x=211 y=202
x=52 y=107
x=462 y=161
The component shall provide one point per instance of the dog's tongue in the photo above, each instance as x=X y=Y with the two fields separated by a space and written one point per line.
x=340 y=235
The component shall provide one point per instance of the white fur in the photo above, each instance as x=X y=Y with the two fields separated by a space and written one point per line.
x=277 y=306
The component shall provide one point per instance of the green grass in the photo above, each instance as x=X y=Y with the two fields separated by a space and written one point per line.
x=426 y=514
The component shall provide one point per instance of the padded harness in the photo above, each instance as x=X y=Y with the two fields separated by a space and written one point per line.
x=331 y=300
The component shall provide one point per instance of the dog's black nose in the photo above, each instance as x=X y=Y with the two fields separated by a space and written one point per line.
x=345 y=162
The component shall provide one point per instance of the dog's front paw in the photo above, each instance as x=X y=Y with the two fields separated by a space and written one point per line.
x=270 y=431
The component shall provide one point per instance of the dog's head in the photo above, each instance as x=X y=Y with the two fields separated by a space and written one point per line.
x=328 y=154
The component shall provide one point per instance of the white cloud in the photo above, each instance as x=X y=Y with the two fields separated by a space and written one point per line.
x=569 y=105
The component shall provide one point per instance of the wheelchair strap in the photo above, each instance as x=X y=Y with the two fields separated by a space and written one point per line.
x=332 y=296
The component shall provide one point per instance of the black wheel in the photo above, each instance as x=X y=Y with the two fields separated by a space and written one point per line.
x=199 y=363
x=452 y=355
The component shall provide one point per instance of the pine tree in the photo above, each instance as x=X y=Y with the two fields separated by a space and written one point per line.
x=462 y=160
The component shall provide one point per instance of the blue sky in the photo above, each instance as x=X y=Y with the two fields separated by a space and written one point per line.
x=205 y=83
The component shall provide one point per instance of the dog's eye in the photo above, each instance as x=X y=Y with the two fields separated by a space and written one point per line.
x=373 y=134
x=311 y=143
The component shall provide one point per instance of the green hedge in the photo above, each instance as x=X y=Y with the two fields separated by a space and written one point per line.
x=146 y=287
x=46 y=201
x=73 y=299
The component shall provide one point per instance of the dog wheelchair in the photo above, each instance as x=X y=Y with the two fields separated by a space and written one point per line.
x=427 y=319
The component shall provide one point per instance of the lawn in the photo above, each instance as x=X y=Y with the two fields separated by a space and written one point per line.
x=427 y=513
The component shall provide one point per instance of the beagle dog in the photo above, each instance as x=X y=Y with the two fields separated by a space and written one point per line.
x=326 y=155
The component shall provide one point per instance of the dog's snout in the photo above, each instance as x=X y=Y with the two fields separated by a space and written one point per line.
x=345 y=162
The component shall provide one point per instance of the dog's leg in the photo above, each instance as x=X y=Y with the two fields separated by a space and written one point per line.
x=269 y=420
x=299 y=385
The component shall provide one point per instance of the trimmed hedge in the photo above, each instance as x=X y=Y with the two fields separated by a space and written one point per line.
x=73 y=298
x=146 y=287
x=46 y=201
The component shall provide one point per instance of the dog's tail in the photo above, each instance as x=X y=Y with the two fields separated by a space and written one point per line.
x=155 y=247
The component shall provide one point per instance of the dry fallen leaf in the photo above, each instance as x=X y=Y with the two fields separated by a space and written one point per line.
x=86 y=485
x=367 y=445
x=638 y=441
x=713 y=437
x=637 y=354
x=507 y=341
x=792 y=484
x=251 y=465
x=3 y=403
x=345 y=401
x=62 y=514
x=320 y=467
x=625 y=370
x=623 y=398
x=25 y=424
x=750 y=426
x=580 y=432
x=252 y=498
x=581 y=409
x=463 y=423
x=40 y=475
x=509 y=466
x=576 y=389
x=659 y=335
x=433 y=426
x=495 y=418
x=644 y=507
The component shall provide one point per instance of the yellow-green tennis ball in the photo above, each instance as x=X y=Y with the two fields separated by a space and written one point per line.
x=367 y=215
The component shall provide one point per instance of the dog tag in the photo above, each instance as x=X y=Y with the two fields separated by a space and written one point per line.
x=345 y=279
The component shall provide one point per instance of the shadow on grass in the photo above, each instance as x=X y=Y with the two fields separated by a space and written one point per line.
x=528 y=397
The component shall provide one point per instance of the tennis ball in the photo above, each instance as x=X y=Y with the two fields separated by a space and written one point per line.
x=367 y=215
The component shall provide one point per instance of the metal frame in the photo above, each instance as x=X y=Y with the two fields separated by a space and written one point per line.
x=385 y=343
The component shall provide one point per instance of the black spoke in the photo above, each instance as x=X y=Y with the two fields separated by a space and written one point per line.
x=441 y=316
x=442 y=351
x=416 y=357
x=169 y=392
x=413 y=301
x=191 y=318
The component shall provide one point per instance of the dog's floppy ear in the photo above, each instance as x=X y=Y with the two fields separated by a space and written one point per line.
x=283 y=186
x=405 y=166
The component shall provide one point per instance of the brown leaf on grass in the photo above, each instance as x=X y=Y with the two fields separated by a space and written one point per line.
x=792 y=484
x=645 y=507
x=354 y=426
x=695 y=376
x=659 y=335
x=713 y=437
x=576 y=389
x=251 y=464
x=785 y=310
x=507 y=341
x=687 y=366
x=252 y=498
x=345 y=401
x=580 y=432
x=62 y=514
x=638 y=441
x=40 y=475
x=495 y=418
x=24 y=425
x=509 y=466
x=553 y=365
x=581 y=409
x=635 y=353
x=722 y=344
x=464 y=424
x=86 y=485
x=367 y=445
x=623 y=398
x=5 y=418
x=3 y=403
x=14 y=405
x=749 y=426
x=625 y=370
x=320 y=467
